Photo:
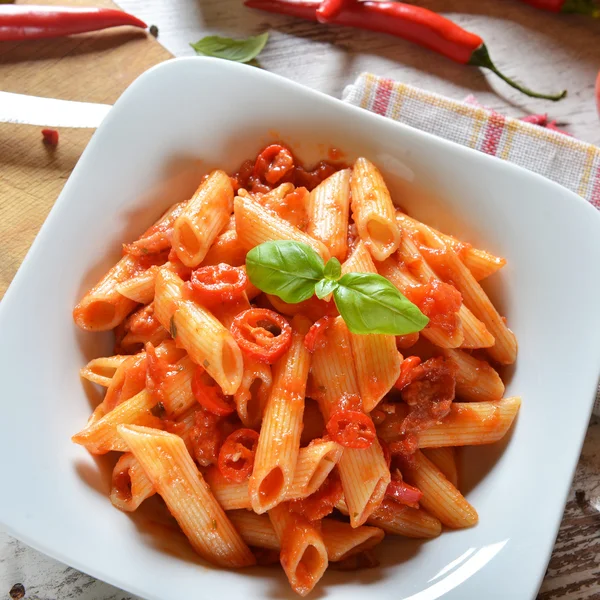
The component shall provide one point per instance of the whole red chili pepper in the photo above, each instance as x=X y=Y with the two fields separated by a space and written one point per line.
x=406 y=21
x=30 y=22
x=582 y=7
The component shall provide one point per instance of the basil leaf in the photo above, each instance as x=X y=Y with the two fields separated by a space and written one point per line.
x=369 y=303
x=286 y=269
x=333 y=269
x=242 y=51
x=325 y=287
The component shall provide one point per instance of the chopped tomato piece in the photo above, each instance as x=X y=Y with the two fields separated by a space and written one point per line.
x=273 y=163
x=318 y=505
x=406 y=371
x=404 y=493
x=439 y=301
x=206 y=437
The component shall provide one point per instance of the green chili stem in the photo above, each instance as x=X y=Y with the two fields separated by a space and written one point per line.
x=581 y=7
x=481 y=58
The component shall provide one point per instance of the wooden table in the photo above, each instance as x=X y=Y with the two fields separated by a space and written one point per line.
x=545 y=51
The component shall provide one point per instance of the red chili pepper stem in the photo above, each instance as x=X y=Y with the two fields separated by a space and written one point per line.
x=481 y=58
x=406 y=21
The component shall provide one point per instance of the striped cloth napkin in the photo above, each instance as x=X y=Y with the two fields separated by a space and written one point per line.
x=570 y=162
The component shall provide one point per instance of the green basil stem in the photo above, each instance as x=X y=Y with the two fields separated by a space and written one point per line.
x=481 y=58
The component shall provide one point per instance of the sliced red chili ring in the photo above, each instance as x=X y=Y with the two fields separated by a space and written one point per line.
x=236 y=457
x=218 y=283
x=351 y=429
x=208 y=393
x=273 y=163
x=262 y=334
x=314 y=339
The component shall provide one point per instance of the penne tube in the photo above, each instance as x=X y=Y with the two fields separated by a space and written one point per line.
x=398 y=519
x=472 y=424
x=130 y=485
x=504 y=349
x=102 y=370
x=364 y=472
x=376 y=358
x=177 y=393
x=475 y=334
x=168 y=292
x=288 y=203
x=231 y=496
x=440 y=498
x=256 y=225
x=101 y=436
x=279 y=441
x=340 y=539
x=226 y=249
x=445 y=460
x=303 y=554
x=328 y=212
x=482 y=264
x=208 y=344
x=373 y=210
x=315 y=462
x=203 y=218
x=476 y=380
x=103 y=308
x=399 y=275
x=140 y=288
x=170 y=468
x=252 y=395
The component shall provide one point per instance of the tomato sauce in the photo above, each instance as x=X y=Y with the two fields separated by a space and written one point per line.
x=320 y=504
x=439 y=301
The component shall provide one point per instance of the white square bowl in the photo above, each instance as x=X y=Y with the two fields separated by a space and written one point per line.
x=173 y=124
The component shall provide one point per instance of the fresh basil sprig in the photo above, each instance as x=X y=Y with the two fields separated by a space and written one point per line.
x=367 y=302
x=242 y=51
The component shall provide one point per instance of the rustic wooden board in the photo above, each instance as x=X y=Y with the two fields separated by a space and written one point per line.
x=94 y=67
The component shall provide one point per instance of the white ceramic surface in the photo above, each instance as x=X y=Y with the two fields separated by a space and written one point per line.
x=174 y=123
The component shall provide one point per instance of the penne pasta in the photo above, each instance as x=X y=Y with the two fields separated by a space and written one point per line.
x=328 y=209
x=230 y=495
x=103 y=308
x=445 y=460
x=203 y=218
x=168 y=292
x=226 y=249
x=398 y=519
x=256 y=225
x=504 y=349
x=170 y=468
x=252 y=395
x=102 y=370
x=340 y=539
x=440 y=497
x=476 y=380
x=303 y=554
x=376 y=358
x=482 y=264
x=334 y=377
x=101 y=436
x=279 y=441
x=471 y=424
x=208 y=344
x=140 y=288
x=130 y=485
x=373 y=210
